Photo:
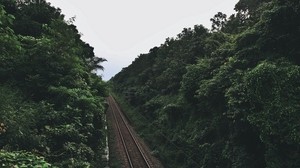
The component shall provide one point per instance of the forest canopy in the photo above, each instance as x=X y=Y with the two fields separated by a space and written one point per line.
x=224 y=97
x=51 y=100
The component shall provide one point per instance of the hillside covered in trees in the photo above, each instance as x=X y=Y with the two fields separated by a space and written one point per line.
x=225 y=97
x=51 y=100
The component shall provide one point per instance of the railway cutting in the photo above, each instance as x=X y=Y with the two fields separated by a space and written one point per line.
x=130 y=149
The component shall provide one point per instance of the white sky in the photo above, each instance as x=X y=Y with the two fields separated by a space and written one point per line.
x=120 y=30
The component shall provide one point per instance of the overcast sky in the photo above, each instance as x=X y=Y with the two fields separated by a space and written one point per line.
x=120 y=30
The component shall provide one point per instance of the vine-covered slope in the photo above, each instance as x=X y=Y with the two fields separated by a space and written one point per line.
x=51 y=101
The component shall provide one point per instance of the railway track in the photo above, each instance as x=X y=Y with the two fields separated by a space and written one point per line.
x=135 y=155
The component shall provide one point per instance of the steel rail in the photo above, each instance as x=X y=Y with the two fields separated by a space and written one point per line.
x=130 y=132
x=121 y=135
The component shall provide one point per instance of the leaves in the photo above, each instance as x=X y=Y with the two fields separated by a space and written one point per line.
x=51 y=100
x=22 y=159
x=229 y=97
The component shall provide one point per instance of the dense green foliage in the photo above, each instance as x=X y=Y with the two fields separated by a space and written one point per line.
x=51 y=100
x=21 y=159
x=228 y=97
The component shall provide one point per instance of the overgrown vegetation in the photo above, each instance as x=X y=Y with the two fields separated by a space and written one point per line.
x=226 y=97
x=51 y=100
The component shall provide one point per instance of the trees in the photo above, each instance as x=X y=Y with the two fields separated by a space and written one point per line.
x=52 y=102
x=218 y=21
x=227 y=98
